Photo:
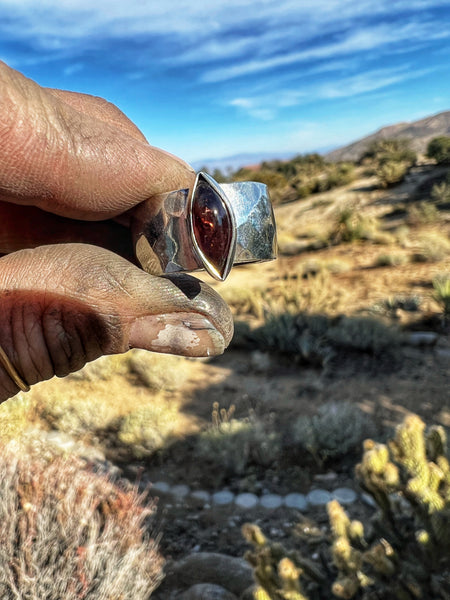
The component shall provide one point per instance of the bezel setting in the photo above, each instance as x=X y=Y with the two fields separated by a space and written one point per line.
x=219 y=269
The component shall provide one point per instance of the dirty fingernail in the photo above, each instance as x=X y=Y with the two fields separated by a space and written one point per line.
x=187 y=334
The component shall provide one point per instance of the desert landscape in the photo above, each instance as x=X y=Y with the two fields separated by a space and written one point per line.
x=344 y=338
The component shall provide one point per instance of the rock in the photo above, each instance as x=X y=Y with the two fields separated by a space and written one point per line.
x=422 y=338
x=260 y=361
x=179 y=491
x=318 y=497
x=233 y=574
x=246 y=500
x=271 y=501
x=223 y=498
x=160 y=487
x=443 y=353
x=207 y=591
x=297 y=501
x=367 y=499
x=323 y=478
x=200 y=497
x=344 y=495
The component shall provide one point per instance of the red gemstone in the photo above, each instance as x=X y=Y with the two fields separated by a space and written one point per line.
x=212 y=226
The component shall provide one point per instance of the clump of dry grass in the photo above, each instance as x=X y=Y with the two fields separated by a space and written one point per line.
x=423 y=213
x=433 y=247
x=143 y=432
x=16 y=416
x=391 y=260
x=69 y=533
x=99 y=407
x=158 y=371
x=245 y=301
x=351 y=225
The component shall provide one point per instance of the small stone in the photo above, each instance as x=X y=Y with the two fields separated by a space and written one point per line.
x=367 y=499
x=223 y=498
x=271 y=501
x=297 y=501
x=260 y=361
x=318 y=497
x=207 y=591
x=180 y=491
x=201 y=496
x=422 y=338
x=212 y=226
x=246 y=500
x=326 y=477
x=161 y=487
x=344 y=495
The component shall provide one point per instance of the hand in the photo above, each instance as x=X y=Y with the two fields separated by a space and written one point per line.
x=72 y=170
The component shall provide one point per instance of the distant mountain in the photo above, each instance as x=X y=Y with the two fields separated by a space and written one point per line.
x=419 y=132
x=235 y=162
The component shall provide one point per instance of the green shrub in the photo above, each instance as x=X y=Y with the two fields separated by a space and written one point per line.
x=337 y=429
x=440 y=192
x=69 y=533
x=439 y=149
x=292 y=334
x=390 y=159
x=423 y=213
x=364 y=334
x=233 y=444
x=390 y=150
x=441 y=285
x=390 y=306
x=350 y=226
x=391 y=173
x=315 y=338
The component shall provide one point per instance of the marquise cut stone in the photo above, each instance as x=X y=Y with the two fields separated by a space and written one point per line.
x=212 y=225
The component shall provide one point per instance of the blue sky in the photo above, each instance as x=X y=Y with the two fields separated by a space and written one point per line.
x=206 y=80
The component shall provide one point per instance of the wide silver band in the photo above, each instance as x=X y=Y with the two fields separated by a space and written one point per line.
x=210 y=227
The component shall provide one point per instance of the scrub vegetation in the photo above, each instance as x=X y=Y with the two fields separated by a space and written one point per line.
x=341 y=354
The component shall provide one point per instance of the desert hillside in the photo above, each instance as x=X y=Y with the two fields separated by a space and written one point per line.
x=344 y=338
x=418 y=132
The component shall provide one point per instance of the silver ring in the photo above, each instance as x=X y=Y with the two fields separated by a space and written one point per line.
x=213 y=227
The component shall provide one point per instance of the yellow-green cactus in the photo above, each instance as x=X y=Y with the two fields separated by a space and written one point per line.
x=403 y=553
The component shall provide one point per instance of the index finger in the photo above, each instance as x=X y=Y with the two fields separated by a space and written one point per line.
x=70 y=158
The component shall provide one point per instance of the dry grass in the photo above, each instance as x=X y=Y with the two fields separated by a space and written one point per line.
x=433 y=247
x=68 y=533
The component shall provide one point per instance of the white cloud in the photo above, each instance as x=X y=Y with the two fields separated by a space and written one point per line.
x=366 y=39
x=250 y=107
x=267 y=106
x=62 y=23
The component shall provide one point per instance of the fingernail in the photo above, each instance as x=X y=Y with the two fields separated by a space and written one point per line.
x=186 y=334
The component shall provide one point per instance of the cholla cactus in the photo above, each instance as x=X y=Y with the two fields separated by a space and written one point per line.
x=406 y=552
x=276 y=570
x=403 y=554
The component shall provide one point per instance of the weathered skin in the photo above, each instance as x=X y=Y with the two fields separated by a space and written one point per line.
x=72 y=169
